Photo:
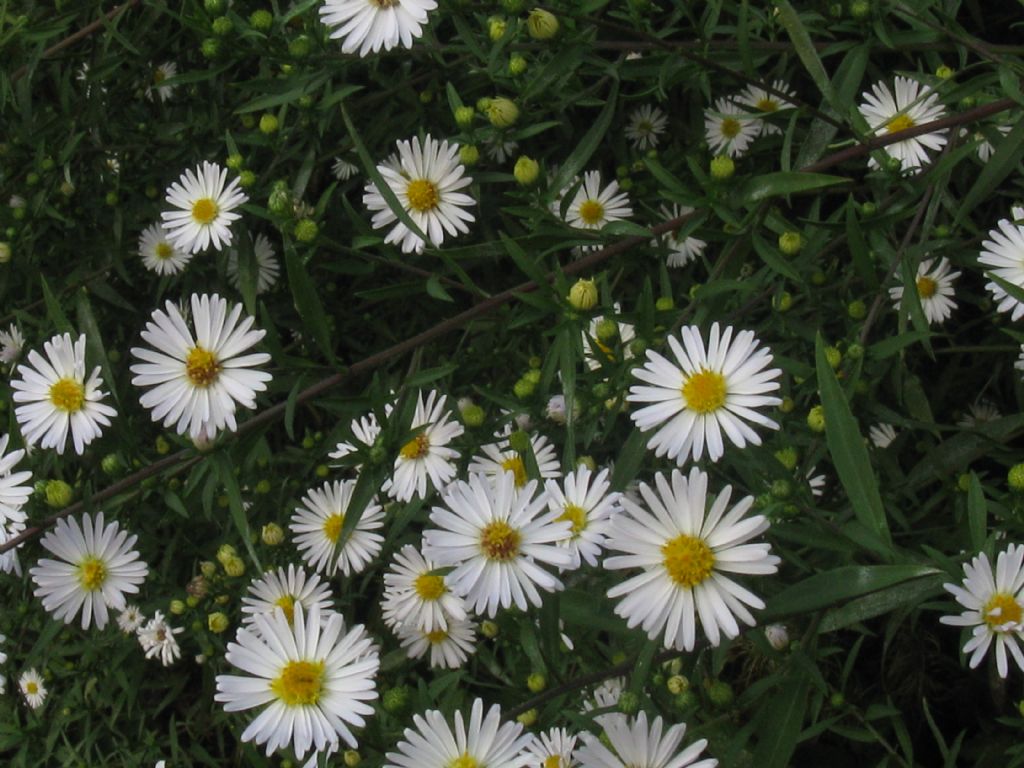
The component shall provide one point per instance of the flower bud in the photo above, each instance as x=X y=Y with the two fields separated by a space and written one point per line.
x=496 y=27
x=524 y=388
x=234 y=567
x=588 y=462
x=488 y=629
x=502 y=112
x=272 y=534
x=722 y=167
x=299 y=47
x=607 y=330
x=351 y=758
x=217 y=622
x=262 y=20
x=396 y=699
x=111 y=464
x=58 y=494
x=473 y=415
x=541 y=24
x=516 y=65
x=306 y=230
x=5 y=252
x=222 y=26
x=788 y=458
x=783 y=302
x=469 y=154
x=665 y=304
x=177 y=607
x=464 y=116
x=629 y=703
x=583 y=295
x=536 y=682
x=720 y=693
x=677 y=684
x=1014 y=478
x=777 y=636
x=528 y=718
x=208 y=568
x=225 y=552
x=857 y=310
x=944 y=72
x=268 y=124
x=526 y=170
x=790 y=243
x=162 y=446
x=816 y=419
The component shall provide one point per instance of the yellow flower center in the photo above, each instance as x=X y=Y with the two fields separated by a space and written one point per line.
x=704 y=391
x=205 y=210
x=332 y=527
x=900 y=123
x=465 y=760
x=553 y=761
x=606 y=349
x=688 y=560
x=437 y=636
x=925 y=287
x=575 y=515
x=730 y=127
x=159 y=76
x=1001 y=609
x=92 y=572
x=423 y=195
x=287 y=604
x=767 y=104
x=67 y=395
x=592 y=212
x=500 y=541
x=644 y=126
x=516 y=467
x=385 y=3
x=164 y=250
x=202 y=367
x=416 y=447
x=31 y=687
x=429 y=587
x=299 y=683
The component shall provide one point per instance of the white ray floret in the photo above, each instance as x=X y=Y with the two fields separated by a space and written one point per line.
x=365 y=430
x=635 y=744
x=1003 y=254
x=58 y=398
x=583 y=499
x=553 y=748
x=646 y=124
x=764 y=104
x=368 y=26
x=267 y=267
x=729 y=129
x=204 y=208
x=593 y=207
x=705 y=392
x=934 y=289
x=157 y=639
x=882 y=434
x=11 y=342
x=159 y=254
x=686 y=545
x=97 y=566
x=130 y=619
x=681 y=250
x=284 y=589
x=343 y=170
x=317 y=527
x=909 y=104
x=416 y=595
x=450 y=648
x=427 y=455
x=499 y=459
x=161 y=73
x=14 y=492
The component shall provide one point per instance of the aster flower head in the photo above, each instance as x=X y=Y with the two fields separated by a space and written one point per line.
x=159 y=254
x=636 y=744
x=729 y=129
x=427 y=455
x=681 y=250
x=764 y=104
x=317 y=526
x=1003 y=254
x=583 y=499
x=686 y=545
x=882 y=435
x=343 y=170
x=907 y=105
x=204 y=208
x=372 y=25
x=311 y=679
x=283 y=589
x=267 y=267
x=130 y=619
x=593 y=207
x=934 y=289
x=11 y=342
x=14 y=491
x=500 y=458
x=156 y=637
x=59 y=398
x=979 y=412
x=994 y=607
x=97 y=566
x=646 y=124
x=426 y=178
x=197 y=381
x=706 y=391
x=161 y=73
x=497 y=538
x=553 y=748
x=365 y=430
x=450 y=647
x=596 y=351
x=478 y=740
x=31 y=685
x=416 y=595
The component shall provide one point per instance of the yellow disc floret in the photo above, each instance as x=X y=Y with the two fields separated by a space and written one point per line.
x=767 y=104
x=553 y=761
x=1002 y=609
x=465 y=760
x=287 y=604
x=516 y=467
x=202 y=367
x=577 y=516
x=205 y=210
x=926 y=287
x=900 y=123
x=429 y=586
x=688 y=560
x=92 y=573
x=592 y=212
x=332 y=527
x=500 y=541
x=437 y=636
x=67 y=394
x=299 y=683
x=704 y=391
x=730 y=127
x=423 y=195
x=164 y=250
x=416 y=447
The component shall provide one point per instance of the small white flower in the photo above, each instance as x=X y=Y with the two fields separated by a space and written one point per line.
x=427 y=455
x=585 y=502
x=11 y=342
x=204 y=208
x=882 y=435
x=284 y=589
x=500 y=459
x=343 y=170
x=981 y=411
x=450 y=648
x=372 y=25
x=1003 y=253
x=765 y=104
x=365 y=430
x=499 y=149
x=16 y=201
x=553 y=747
x=159 y=254
x=985 y=149
x=156 y=637
x=130 y=619
x=934 y=289
x=729 y=130
x=416 y=595
x=162 y=72
x=606 y=695
x=912 y=104
x=593 y=207
x=816 y=483
x=267 y=267
x=994 y=603
x=32 y=688
x=317 y=529
x=14 y=492
x=681 y=250
x=634 y=744
x=646 y=124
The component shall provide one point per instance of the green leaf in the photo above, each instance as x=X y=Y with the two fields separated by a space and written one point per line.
x=528 y=266
x=849 y=454
x=838 y=585
x=1004 y=161
x=782 y=722
x=226 y=475
x=955 y=454
x=632 y=455
x=436 y=290
x=977 y=514
x=307 y=301
x=94 y=342
x=770 y=185
x=806 y=51
x=882 y=602
x=587 y=145
x=54 y=312
x=775 y=260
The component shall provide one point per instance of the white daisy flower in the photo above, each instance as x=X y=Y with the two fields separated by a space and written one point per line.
x=646 y=124
x=317 y=529
x=159 y=254
x=634 y=744
x=995 y=607
x=553 y=748
x=584 y=501
x=686 y=546
x=1003 y=253
x=285 y=589
x=372 y=25
x=593 y=357
x=314 y=678
x=11 y=342
x=204 y=214
x=449 y=648
x=816 y=483
x=16 y=201
x=704 y=393
x=497 y=538
x=934 y=288
x=981 y=411
x=267 y=267
x=97 y=566
x=765 y=104
x=365 y=430
x=882 y=435
x=343 y=170
x=32 y=688
x=499 y=149
x=416 y=595
x=59 y=399
x=14 y=492
x=499 y=459
x=162 y=72
x=427 y=454
x=426 y=180
x=729 y=130
x=593 y=207
x=113 y=164
x=130 y=619
x=197 y=380
x=156 y=637
x=913 y=104
x=681 y=250
x=985 y=148
x=483 y=741
x=606 y=695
